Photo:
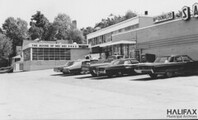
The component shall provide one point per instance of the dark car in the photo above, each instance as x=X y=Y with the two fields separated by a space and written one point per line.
x=86 y=65
x=118 y=67
x=8 y=69
x=92 y=67
x=168 y=66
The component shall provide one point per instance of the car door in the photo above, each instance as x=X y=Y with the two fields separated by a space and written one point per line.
x=180 y=65
x=189 y=64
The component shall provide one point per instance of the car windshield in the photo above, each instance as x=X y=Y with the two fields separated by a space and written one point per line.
x=187 y=59
x=134 y=61
x=161 y=59
x=70 y=63
x=116 y=62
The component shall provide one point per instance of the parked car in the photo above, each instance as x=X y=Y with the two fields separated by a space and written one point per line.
x=118 y=67
x=86 y=65
x=75 y=67
x=92 y=67
x=168 y=66
x=8 y=69
x=60 y=68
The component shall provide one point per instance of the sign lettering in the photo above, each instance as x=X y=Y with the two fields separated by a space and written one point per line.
x=195 y=10
x=164 y=17
x=186 y=13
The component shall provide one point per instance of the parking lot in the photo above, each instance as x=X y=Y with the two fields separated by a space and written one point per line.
x=46 y=94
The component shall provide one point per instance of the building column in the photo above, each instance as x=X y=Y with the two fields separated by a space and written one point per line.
x=30 y=54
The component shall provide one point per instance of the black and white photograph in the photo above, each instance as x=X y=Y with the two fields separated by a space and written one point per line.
x=98 y=59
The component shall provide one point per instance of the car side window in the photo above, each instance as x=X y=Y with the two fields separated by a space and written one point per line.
x=127 y=62
x=178 y=59
x=171 y=59
x=186 y=59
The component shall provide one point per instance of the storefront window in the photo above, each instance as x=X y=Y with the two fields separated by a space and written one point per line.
x=26 y=54
x=51 y=54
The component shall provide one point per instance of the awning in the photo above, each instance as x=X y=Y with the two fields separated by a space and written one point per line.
x=114 y=43
x=117 y=43
x=18 y=56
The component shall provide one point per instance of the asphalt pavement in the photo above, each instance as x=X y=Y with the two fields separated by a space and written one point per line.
x=46 y=94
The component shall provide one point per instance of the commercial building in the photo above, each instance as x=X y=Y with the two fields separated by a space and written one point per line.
x=172 y=33
x=45 y=55
x=105 y=41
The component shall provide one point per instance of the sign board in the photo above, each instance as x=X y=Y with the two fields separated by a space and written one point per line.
x=164 y=17
x=36 y=45
x=186 y=14
x=47 y=45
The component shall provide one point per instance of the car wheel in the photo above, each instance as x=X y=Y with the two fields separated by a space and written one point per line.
x=119 y=74
x=153 y=75
x=169 y=74
x=110 y=75
x=93 y=74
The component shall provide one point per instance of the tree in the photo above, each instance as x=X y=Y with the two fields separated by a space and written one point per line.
x=39 y=26
x=16 y=30
x=129 y=14
x=113 y=19
x=86 y=31
x=5 y=46
x=1 y=31
x=62 y=24
x=76 y=36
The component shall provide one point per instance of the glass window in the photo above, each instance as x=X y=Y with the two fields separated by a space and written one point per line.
x=178 y=59
x=26 y=54
x=51 y=54
x=161 y=59
x=187 y=59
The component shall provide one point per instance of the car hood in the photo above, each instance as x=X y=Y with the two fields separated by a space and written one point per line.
x=99 y=64
x=155 y=64
x=60 y=66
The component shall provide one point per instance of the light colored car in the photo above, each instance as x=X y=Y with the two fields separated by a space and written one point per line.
x=75 y=67
x=60 y=68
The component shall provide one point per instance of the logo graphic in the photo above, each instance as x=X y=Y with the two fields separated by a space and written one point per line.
x=182 y=113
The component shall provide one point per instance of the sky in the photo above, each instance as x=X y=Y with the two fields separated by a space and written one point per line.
x=86 y=12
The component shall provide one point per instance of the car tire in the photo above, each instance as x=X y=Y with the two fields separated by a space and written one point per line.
x=119 y=74
x=169 y=74
x=93 y=74
x=110 y=75
x=153 y=75
x=64 y=73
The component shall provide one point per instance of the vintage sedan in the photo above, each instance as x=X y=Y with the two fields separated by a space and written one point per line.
x=75 y=67
x=168 y=66
x=8 y=69
x=86 y=65
x=92 y=67
x=118 y=67
x=102 y=62
x=60 y=68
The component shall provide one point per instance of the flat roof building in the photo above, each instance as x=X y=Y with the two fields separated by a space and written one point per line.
x=171 y=34
x=48 y=54
x=104 y=42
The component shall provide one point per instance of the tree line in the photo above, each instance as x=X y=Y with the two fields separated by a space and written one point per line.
x=14 y=31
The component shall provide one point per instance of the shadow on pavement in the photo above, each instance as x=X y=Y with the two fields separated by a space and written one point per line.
x=149 y=78
x=106 y=77
x=65 y=75
x=162 y=77
x=84 y=77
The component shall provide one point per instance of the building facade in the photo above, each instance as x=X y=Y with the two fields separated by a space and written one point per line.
x=105 y=42
x=169 y=35
x=45 y=55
